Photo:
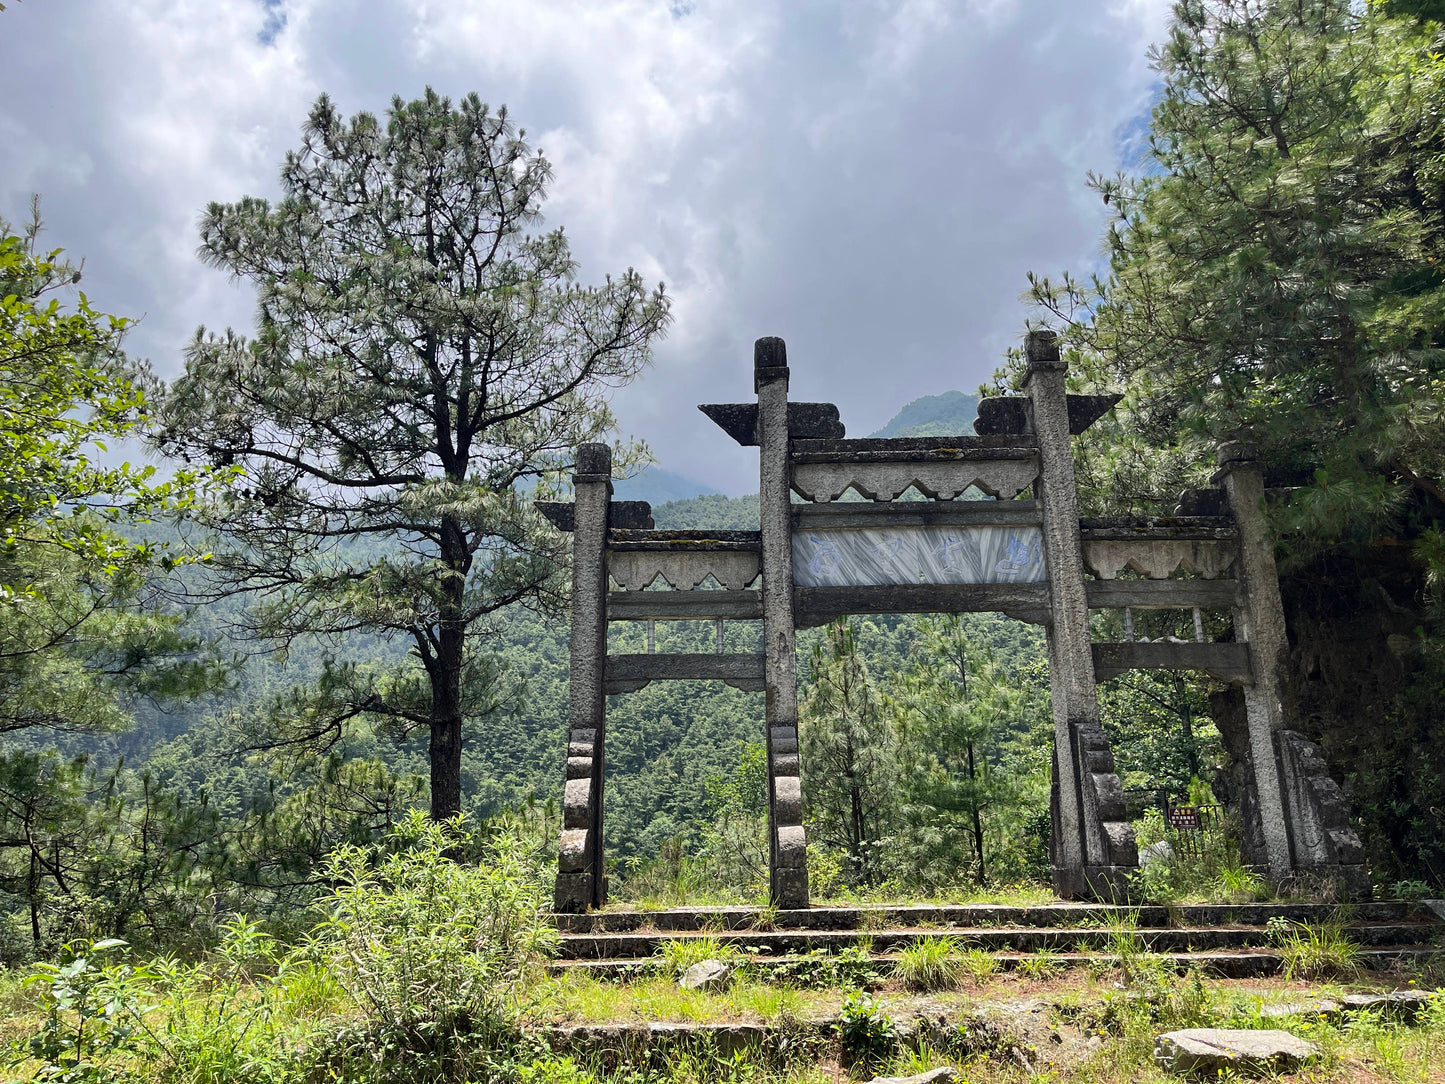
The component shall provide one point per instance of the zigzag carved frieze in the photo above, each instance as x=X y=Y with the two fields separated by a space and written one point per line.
x=634 y=570
x=1158 y=560
x=1003 y=478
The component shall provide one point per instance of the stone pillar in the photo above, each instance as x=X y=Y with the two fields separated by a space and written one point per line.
x=1260 y=623
x=1301 y=819
x=1093 y=843
x=787 y=855
x=580 y=882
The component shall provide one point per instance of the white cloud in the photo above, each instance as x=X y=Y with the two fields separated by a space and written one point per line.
x=868 y=178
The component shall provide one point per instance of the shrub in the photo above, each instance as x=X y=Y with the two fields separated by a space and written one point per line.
x=93 y=1016
x=868 y=1035
x=427 y=946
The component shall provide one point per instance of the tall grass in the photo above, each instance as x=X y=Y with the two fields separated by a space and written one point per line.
x=932 y=963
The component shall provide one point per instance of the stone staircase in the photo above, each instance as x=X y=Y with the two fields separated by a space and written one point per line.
x=1225 y=940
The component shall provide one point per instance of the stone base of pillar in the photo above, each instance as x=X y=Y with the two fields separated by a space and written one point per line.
x=572 y=894
x=1329 y=859
x=1096 y=884
x=790 y=889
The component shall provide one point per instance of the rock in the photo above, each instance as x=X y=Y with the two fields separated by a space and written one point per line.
x=1156 y=852
x=1319 y=1006
x=1405 y=1005
x=1210 y=1051
x=707 y=976
x=944 y=1074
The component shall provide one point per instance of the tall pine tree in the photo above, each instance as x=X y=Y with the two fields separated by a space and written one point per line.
x=420 y=360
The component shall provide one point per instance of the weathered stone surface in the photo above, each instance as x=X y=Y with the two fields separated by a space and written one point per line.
x=816 y=421
x=1158 y=560
x=577 y=803
x=1315 y=1006
x=635 y=570
x=824 y=482
x=1406 y=1005
x=579 y=767
x=628 y=673
x=1208 y=1051
x=944 y=1074
x=790 y=887
x=792 y=846
x=574 y=855
x=707 y=975
x=787 y=800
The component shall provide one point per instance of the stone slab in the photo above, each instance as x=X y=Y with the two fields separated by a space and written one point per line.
x=1211 y=1051
x=944 y=1074
x=707 y=976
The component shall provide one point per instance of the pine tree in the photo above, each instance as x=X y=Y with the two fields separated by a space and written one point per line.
x=847 y=741
x=419 y=362
x=956 y=707
x=1274 y=272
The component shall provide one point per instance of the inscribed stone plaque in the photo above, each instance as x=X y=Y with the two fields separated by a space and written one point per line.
x=868 y=556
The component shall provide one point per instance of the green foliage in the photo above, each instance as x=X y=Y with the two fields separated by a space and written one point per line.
x=429 y=947
x=848 y=754
x=869 y=1036
x=930 y=963
x=1322 y=951
x=419 y=361
x=956 y=707
x=93 y=1014
x=81 y=629
x=1206 y=866
x=1041 y=964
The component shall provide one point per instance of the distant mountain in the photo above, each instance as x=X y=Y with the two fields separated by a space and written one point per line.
x=943 y=415
x=658 y=486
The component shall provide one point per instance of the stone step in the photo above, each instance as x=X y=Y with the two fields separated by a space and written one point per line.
x=1255 y=963
x=978 y=914
x=991 y=938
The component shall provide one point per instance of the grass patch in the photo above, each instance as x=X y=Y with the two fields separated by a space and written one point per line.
x=932 y=963
x=676 y=955
x=1321 y=951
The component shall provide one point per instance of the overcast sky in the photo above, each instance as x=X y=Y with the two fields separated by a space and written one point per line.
x=869 y=179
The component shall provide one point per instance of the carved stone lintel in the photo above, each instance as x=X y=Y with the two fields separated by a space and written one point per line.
x=1159 y=560
x=1227 y=662
x=1004 y=479
x=629 y=673
x=635 y=570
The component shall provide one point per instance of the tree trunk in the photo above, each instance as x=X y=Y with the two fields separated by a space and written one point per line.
x=977 y=816
x=1186 y=725
x=446 y=677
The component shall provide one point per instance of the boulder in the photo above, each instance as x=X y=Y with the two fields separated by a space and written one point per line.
x=707 y=976
x=944 y=1074
x=1211 y=1051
